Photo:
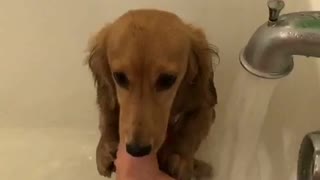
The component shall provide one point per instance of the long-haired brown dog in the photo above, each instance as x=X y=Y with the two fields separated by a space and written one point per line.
x=155 y=90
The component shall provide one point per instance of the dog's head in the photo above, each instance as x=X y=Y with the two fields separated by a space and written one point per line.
x=143 y=58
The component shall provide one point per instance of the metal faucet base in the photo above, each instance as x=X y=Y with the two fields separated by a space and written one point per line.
x=309 y=157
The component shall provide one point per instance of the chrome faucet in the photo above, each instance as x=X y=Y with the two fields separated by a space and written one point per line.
x=309 y=157
x=269 y=52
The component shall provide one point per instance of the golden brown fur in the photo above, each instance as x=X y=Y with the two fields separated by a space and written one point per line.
x=143 y=45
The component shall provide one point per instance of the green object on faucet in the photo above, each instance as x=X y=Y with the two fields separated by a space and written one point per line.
x=309 y=24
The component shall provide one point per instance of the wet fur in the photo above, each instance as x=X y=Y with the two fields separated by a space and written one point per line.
x=192 y=108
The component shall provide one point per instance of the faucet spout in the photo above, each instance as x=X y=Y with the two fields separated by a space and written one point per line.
x=269 y=53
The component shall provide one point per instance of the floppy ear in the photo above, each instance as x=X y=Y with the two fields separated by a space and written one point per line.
x=99 y=66
x=200 y=66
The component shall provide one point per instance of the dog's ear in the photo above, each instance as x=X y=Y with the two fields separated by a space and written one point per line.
x=99 y=66
x=200 y=66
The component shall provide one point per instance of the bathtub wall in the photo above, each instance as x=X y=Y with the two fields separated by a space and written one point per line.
x=48 y=118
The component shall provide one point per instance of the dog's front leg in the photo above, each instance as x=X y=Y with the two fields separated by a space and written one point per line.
x=109 y=129
x=177 y=155
x=108 y=143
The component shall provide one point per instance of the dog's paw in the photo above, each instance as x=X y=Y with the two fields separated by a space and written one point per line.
x=179 y=167
x=105 y=160
x=202 y=169
x=105 y=166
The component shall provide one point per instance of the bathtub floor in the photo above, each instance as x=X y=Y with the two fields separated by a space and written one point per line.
x=48 y=154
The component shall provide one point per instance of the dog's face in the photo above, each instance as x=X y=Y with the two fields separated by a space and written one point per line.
x=148 y=64
x=146 y=55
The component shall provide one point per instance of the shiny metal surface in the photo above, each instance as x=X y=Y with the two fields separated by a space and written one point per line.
x=269 y=52
x=309 y=157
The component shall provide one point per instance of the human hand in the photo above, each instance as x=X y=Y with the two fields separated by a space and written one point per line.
x=142 y=168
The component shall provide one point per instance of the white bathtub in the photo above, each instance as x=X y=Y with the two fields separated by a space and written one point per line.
x=48 y=118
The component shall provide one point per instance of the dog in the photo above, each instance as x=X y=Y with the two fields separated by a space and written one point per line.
x=155 y=92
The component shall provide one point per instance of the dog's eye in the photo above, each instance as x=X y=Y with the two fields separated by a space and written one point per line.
x=121 y=79
x=165 y=81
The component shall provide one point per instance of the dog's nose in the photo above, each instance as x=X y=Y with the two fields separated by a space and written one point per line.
x=136 y=150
